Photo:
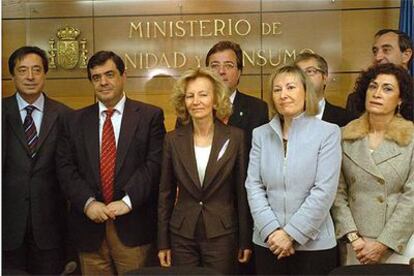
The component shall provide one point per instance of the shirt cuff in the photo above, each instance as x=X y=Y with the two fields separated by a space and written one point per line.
x=89 y=201
x=127 y=201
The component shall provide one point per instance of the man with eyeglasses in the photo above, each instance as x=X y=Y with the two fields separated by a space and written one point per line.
x=34 y=207
x=390 y=46
x=226 y=59
x=316 y=68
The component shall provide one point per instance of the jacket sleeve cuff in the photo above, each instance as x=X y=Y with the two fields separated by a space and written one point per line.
x=296 y=234
x=268 y=229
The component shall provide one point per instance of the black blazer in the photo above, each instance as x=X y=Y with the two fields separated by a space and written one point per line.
x=137 y=172
x=248 y=113
x=30 y=187
x=221 y=200
x=336 y=115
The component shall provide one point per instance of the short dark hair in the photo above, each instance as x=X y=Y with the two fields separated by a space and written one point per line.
x=405 y=84
x=99 y=58
x=227 y=45
x=20 y=53
x=404 y=40
x=323 y=65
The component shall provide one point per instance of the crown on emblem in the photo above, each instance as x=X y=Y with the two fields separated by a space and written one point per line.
x=67 y=33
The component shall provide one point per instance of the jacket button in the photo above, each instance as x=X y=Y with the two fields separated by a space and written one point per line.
x=380 y=199
x=201 y=203
x=381 y=181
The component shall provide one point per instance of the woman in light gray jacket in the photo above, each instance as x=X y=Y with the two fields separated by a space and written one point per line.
x=292 y=180
x=374 y=207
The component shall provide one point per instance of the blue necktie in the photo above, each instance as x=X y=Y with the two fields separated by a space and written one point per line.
x=30 y=130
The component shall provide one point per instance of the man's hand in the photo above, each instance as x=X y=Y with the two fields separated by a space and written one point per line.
x=118 y=208
x=372 y=252
x=164 y=255
x=280 y=243
x=244 y=255
x=98 y=212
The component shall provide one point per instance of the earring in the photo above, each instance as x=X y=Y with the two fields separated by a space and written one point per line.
x=399 y=110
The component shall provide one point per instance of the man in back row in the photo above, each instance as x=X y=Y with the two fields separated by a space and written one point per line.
x=316 y=68
x=226 y=59
x=390 y=46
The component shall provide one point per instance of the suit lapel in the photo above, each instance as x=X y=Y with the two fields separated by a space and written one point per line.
x=221 y=135
x=185 y=150
x=49 y=117
x=359 y=153
x=91 y=131
x=130 y=122
x=15 y=121
x=238 y=111
x=385 y=152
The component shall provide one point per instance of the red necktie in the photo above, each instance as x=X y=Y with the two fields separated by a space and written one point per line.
x=108 y=156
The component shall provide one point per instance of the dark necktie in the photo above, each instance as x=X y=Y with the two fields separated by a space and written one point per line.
x=108 y=156
x=30 y=130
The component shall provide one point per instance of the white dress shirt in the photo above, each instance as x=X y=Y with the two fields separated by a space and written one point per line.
x=116 y=120
x=321 y=104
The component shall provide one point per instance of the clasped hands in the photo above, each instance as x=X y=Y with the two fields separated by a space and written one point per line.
x=99 y=212
x=368 y=252
x=280 y=243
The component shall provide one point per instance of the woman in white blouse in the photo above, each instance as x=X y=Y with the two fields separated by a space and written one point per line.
x=203 y=215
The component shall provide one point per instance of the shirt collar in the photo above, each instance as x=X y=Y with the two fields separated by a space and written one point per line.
x=232 y=96
x=321 y=104
x=119 y=107
x=39 y=103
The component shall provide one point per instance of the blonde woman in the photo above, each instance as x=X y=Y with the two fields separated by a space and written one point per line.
x=292 y=179
x=208 y=223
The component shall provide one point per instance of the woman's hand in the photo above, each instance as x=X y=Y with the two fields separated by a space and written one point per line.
x=372 y=252
x=164 y=255
x=244 y=255
x=280 y=243
x=358 y=244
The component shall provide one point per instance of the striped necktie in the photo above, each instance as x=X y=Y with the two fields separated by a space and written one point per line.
x=108 y=156
x=30 y=130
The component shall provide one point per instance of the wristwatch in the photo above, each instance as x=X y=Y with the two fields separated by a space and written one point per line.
x=353 y=236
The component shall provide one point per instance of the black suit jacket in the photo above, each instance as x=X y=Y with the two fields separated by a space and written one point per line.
x=137 y=172
x=248 y=113
x=336 y=115
x=31 y=191
x=221 y=200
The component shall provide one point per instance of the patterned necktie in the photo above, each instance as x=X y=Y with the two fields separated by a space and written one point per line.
x=30 y=130
x=108 y=156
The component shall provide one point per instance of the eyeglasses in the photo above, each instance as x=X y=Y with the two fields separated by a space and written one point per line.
x=227 y=66
x=311 y=71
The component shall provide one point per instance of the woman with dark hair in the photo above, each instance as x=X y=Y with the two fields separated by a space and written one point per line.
x=207 y=223
x=374 y=206
x=403 y=78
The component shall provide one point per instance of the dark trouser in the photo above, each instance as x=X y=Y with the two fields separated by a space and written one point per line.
x=31 y=259
x=219 y=254
x=319 y=262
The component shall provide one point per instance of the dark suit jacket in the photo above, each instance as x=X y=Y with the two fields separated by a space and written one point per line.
x=336 y=115
x=30 y=186
x=221 y=200
x=248 y=113
x=137 y=172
